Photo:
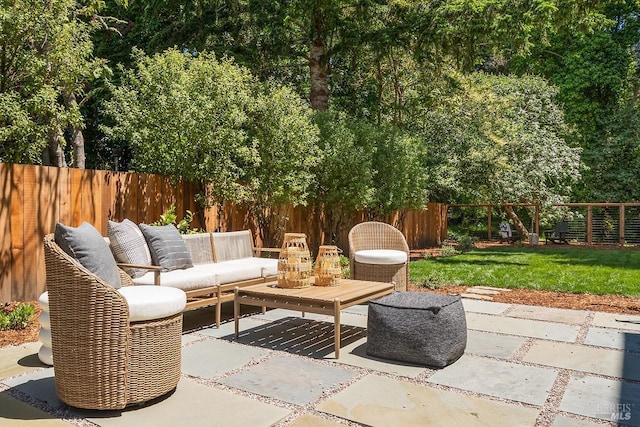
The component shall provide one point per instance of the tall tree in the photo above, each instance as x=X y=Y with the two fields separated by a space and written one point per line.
x=46 y=63
x=210 y=121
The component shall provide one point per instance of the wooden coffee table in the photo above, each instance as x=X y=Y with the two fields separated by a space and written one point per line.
x=314 y=299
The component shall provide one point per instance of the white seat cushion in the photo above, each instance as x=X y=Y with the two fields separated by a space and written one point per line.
x=204 y=275
x=381 y=256
x=268 y=266
x=153 y=302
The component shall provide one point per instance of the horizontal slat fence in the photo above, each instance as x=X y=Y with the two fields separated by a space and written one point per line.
x=34 y=198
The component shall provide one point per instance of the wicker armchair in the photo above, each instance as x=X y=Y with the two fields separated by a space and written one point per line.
x=379 y=237
x=102 y=359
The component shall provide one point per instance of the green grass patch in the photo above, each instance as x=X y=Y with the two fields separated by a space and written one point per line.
x=565 y=269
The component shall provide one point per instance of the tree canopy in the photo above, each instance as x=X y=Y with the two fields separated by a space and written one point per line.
x=376 y=106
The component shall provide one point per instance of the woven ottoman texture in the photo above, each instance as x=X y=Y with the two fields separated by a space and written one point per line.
x=417 y=327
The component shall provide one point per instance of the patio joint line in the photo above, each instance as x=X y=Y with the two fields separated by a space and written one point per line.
x=551 y=405
x=584 y=328
x=522 y=351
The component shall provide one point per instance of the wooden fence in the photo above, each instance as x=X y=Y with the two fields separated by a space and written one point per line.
x=34 y=198
x=588 y=223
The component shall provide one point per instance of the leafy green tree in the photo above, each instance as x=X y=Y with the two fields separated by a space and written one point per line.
x=210 y=121
x=344 y=175
x=285 y=137
x=188 y=117
x=596 y=73
x=47 y=63
x=499 y=139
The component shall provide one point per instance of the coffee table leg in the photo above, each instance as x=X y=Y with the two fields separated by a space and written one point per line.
x=236 y=310
x=336 y=326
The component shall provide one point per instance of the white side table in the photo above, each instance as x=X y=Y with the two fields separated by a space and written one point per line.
x=45 y=354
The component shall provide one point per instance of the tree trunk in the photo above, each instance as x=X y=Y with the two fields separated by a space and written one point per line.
x=516 y=221
x=77 y=138
x=54 y=155
x=319 y=67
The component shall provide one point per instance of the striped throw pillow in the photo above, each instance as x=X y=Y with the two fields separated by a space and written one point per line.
x=167 y=247
x=129 y=246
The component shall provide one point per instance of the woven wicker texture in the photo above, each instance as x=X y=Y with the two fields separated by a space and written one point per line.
x=378 y=235
x=327 y=270
x=294 y=262
x=101 y=361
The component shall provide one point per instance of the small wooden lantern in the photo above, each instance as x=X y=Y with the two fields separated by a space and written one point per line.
x=328 y=271
x=294 y=263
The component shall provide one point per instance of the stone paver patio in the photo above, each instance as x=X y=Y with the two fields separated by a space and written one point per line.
x=523 y=366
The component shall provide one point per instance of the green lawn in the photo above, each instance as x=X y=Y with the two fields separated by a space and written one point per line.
x=577 y=270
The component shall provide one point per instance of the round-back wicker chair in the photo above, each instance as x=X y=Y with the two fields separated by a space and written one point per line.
x=102 y=359
x=376 y=236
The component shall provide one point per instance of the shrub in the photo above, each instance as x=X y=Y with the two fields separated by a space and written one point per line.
x=346 y=269
x=466 y=243
x=170 y=217
x=18 y=318
x=447 y=250
x=432 y=282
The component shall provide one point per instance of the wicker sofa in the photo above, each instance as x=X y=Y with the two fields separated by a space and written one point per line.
x=221 y=261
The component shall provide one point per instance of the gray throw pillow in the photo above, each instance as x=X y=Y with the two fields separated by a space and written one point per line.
x=168 y=249
x=88 y=247
x=129 y=246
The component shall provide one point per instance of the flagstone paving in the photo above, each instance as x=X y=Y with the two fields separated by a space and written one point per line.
x=380 y=401
x=614 y=363
x=291 y=380
x=522 y=327
x=603 y=398
x=523 y=366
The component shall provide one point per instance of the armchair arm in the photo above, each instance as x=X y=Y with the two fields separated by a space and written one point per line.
x=258 y=251
x=155 y=268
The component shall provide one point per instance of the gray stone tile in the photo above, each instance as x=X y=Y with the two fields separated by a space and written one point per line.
x=14 y=413
x=189 y=338
x=291 y=379
x=227 y=330
x=350 y=319
x=361 y=309
x=549 y=314
x=498 y=378
x=280 y=313
x=383 y=401
x=18 y=359
x=355 y=354
x=193 y=404
x=614 y=338
x=602 y=361
x=40 y=385
x=617 y=321
x=563 y=421
x=603 y=399
x=493 y=345
x=212 y=358
x=522 y=327
x=300 y=336
x=487 y=307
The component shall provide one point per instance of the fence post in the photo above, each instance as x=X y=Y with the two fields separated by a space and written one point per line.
x=489 y=209
x=589 y=225
x=621 y=225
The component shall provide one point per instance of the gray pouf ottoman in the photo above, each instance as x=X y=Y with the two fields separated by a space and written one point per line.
x=417 y=327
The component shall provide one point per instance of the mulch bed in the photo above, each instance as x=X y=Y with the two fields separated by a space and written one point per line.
x=15 y=337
